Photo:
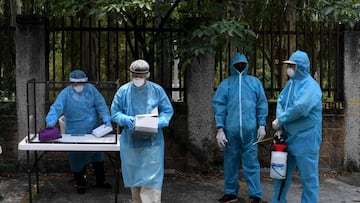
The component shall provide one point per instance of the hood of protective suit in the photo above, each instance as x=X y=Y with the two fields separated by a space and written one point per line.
x=237 y=57
x=302 y=64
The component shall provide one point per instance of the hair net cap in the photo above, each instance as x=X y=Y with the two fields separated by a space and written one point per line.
x=78 y=76
x=289 y=62
x=139 y=66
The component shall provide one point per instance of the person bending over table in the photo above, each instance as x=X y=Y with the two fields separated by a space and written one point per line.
x=81 y=104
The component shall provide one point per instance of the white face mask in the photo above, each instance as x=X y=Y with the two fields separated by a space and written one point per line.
x=79 y=88
x=138 y=82
x=290 y=72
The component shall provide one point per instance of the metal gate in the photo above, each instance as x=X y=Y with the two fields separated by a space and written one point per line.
x=105 y=52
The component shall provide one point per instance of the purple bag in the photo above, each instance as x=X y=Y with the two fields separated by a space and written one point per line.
x=49 y=134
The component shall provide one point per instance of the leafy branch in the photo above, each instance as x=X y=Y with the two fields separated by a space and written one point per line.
x=208 y=39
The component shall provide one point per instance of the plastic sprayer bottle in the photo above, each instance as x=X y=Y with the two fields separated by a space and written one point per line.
x=278 y=159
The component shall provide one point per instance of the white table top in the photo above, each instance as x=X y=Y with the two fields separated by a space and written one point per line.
x=68 y=142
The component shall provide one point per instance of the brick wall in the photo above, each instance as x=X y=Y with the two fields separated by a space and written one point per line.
x=175 y=139
x=332 y=147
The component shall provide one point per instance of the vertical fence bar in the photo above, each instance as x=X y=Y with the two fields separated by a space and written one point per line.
x=81 y=42
x=296 y=35
x=329 y=62
x=106 y=55
x=91 y=68
x=321 y=56
x=53 y=49
x=339 y=96
x=117 y=50
x=1 y=67
x=71 y=46
x=312 y=60
x=62 y=48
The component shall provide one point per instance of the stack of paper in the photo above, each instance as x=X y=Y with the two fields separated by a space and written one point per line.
x=146 y=124
x=101 y=130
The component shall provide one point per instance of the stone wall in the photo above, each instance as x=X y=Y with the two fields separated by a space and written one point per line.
x=352 y=97
x=332 y=147
x=176 y=152
x=30 y=65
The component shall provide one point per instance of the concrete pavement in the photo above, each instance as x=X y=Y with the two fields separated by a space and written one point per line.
x=178 y=188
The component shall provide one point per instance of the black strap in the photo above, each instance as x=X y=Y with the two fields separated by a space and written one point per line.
x=281 y=188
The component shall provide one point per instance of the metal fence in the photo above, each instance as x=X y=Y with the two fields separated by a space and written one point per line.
x=275 y=43
x=105 y=50
x=7 y=60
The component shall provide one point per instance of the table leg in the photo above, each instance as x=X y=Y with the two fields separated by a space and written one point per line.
x=29 y=175
x=117 y=175
x=37 y=172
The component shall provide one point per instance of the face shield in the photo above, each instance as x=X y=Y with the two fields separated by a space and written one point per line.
x=291 y=67
x=139 y=70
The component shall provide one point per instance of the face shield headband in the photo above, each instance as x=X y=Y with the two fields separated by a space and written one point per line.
x=78 y=79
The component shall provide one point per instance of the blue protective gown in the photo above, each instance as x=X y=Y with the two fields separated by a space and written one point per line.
x=81 y=111
x=142 y=157
x=299 y=111
x=240 y=106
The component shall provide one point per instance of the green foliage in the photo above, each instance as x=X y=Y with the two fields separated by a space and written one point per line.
x=211 y=33
x=214 y=37
x=127 y=11
x=211 y=25
x=345 y=11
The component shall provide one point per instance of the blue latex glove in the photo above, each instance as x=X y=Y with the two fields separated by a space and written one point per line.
x=161 y=123
x=108 y=124
x=129 y=122
x=51 y=124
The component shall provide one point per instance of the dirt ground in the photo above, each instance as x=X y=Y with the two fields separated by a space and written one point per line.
x=178 y=187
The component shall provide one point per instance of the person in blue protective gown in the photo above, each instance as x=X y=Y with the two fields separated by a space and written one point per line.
x=299 y=119
x=81 y=104
x=241 y=109
x=142 y=156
